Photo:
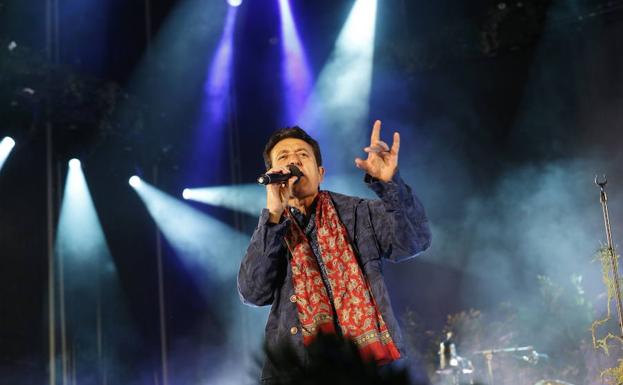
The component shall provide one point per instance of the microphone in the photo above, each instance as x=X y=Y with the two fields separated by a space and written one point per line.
x=274 y=177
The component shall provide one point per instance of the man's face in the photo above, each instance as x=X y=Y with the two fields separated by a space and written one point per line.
x=300 y=153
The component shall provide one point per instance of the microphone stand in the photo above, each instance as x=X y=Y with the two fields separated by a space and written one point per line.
x=488 y=355
x=614 y=264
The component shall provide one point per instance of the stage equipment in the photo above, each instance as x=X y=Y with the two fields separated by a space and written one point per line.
x=453 y=368
x=614 y=263
x=74 y=163
x=6 y=145
x=274 y=177
x=134 y=181
x=489 y=353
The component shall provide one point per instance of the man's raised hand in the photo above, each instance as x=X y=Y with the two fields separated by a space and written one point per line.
x=382 y=161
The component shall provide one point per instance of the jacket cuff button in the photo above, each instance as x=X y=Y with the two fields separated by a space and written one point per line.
x=293 y=298
x=294 y=330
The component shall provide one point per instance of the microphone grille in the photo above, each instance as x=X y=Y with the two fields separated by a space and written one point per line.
x=295 y=170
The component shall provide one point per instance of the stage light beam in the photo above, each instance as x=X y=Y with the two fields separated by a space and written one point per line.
x=339 y=104
x=247 y=198
x=80 y=234
x=74 y=163
x=251 y=198
x=214 y=111
x=219 y=75
x=206 y=245
x=6 y=145
x=134 y=181
x=297 y=74
x=91 y=302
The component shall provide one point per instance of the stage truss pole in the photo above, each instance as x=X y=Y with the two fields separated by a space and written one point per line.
x=614 y=263
x=161 y=301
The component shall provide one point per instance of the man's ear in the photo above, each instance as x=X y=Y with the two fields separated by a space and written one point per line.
x=321 y=172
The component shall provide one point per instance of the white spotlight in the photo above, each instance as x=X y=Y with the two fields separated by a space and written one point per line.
x=135 y=181
x=7 y=143
x=234 y=3
x=74 y=163
x=186 y=193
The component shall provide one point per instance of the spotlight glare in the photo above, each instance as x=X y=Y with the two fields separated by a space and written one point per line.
x=248 y=198
x=234 y=3
x=7 y=143
x=204 y=244
x=341 y=95
x=186 y=193
x=135 y=181
x=74 y=163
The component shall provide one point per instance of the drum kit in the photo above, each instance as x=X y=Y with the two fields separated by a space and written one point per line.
x=457 y=370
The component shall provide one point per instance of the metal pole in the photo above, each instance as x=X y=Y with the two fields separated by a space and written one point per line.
x=236 y=179
x=98 y=325
x=51 y=40
x=161 y=302
x=61 y=289
x=148 y=24
x=614 y=265
x=51 y=270
x=57 y=41
x=489 y=358
x=74 y=377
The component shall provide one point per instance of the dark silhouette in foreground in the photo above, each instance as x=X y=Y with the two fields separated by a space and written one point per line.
x=332 y=360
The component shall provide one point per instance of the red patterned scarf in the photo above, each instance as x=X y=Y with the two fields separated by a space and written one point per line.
x=357 y=313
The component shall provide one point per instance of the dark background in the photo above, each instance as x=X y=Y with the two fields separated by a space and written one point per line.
x=506 y=115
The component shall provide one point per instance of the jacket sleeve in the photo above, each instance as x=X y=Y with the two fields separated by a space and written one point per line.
x=398 y=219
x=263 y=264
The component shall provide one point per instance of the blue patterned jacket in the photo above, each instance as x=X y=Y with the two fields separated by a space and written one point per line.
x=393 y=227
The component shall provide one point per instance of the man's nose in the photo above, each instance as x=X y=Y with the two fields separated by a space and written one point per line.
x=295 y=160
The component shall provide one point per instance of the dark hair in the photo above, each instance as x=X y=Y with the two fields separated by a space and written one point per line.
x=295 y=132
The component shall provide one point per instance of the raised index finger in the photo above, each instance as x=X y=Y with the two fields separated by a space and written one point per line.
x=376 y=133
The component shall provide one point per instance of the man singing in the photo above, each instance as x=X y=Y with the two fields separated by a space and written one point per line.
x=316 y=255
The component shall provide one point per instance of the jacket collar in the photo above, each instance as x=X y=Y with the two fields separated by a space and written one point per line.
x=346 y=210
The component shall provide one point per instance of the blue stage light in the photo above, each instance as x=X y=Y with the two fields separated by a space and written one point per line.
x=297 y=80
x=135 y=181
x=215 y=107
